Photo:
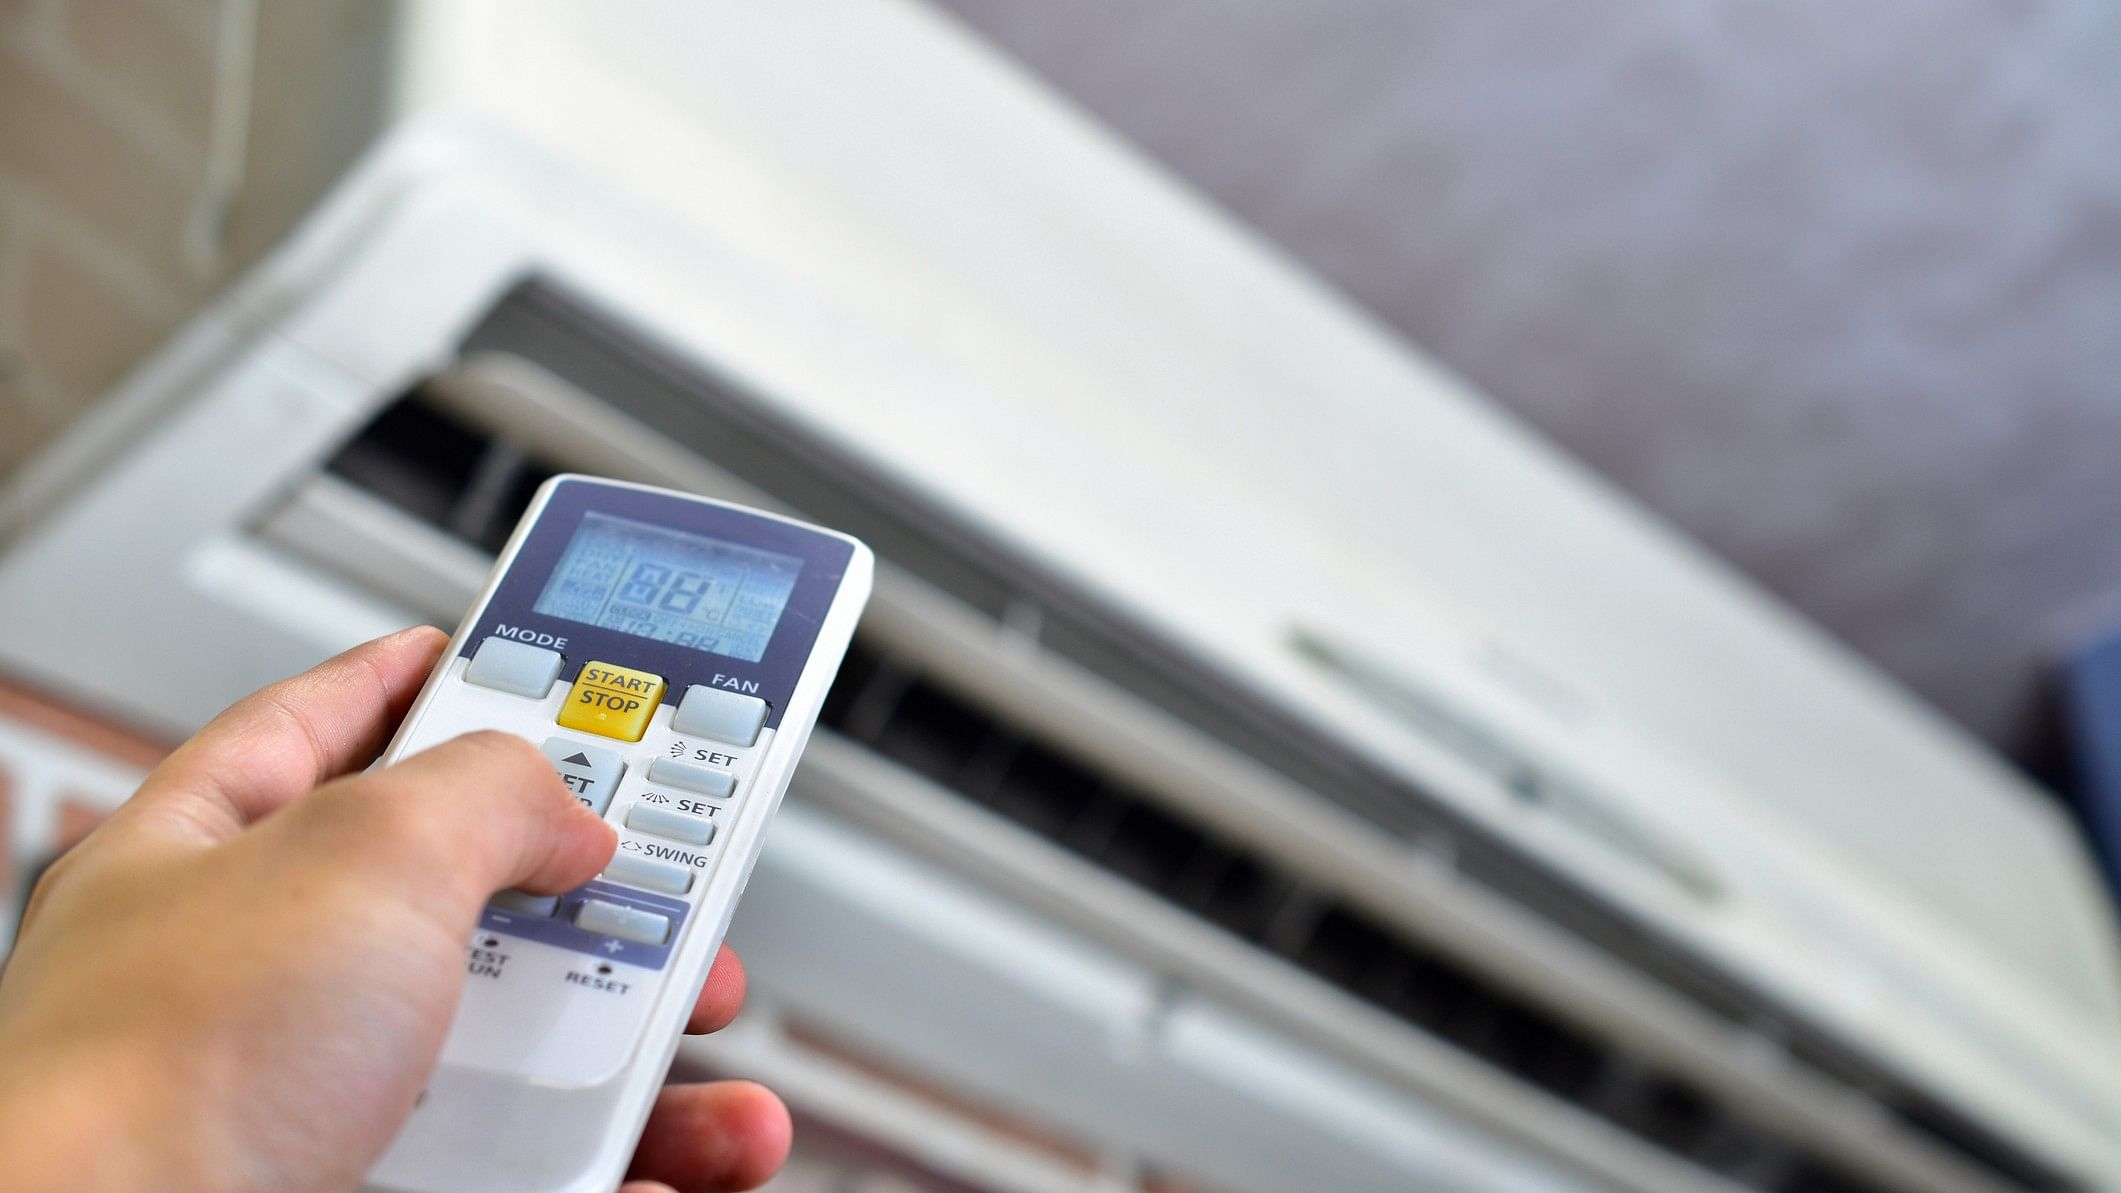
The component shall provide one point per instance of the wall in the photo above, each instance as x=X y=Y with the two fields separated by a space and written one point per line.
x=1831 y=286
x=148 y=150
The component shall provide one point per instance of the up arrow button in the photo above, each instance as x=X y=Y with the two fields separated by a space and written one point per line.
x=592 y=774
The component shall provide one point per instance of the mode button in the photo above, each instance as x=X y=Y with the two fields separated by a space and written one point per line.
x=517 y=668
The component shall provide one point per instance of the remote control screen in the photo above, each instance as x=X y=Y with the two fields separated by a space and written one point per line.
x=671 y=586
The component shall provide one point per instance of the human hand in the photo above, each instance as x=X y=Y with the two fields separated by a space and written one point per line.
x=242 y=980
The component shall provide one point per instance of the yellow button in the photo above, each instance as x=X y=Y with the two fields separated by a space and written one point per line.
x=613 y=701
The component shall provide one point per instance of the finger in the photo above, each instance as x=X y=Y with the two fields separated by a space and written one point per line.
x=283 y=740
x=721 y=997
x=460 y=821
x=646 y=1187
x=714 y=1138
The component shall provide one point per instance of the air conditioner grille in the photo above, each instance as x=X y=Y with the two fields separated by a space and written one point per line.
x=888 y=706
x=443 y=471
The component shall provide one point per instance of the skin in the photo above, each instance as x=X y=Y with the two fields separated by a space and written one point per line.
x=241 y=981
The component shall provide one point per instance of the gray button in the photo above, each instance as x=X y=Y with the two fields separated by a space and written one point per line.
x=723 y=716
x=669 y=822
x=692 y=777
x=525 y=904
x=517 y=668
x=626 y=923
x=590 y=773
x=652 y=874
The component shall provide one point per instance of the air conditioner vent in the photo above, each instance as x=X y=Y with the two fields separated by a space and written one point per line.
x=889 y=706
x=443 y=471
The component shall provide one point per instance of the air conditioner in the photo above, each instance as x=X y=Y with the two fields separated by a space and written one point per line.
x=1264 y=765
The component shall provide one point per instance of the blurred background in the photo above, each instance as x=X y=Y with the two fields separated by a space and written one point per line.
x=1476 y=597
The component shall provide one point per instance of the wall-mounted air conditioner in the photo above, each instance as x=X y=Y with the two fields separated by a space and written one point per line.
x=1262 y=761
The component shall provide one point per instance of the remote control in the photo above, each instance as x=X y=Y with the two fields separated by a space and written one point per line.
x=669 y=654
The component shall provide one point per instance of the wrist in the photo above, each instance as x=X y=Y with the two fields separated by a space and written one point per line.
x=79 y=1116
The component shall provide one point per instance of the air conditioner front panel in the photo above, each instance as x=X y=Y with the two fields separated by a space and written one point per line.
x=934 y=972
x=976 y=248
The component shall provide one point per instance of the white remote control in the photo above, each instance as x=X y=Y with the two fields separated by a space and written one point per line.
x=670 y=655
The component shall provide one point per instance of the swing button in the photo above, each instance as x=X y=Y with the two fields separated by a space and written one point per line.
x=650 y=874
x=612 y=701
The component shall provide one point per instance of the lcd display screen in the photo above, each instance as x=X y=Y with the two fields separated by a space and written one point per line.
x=671 y=586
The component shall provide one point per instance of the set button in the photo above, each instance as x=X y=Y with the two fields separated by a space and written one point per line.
x=691 y=776
x=719 y=715
x=612 y=701
x=669 y=822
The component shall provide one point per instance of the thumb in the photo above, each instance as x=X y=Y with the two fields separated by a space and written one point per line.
x=458 y=822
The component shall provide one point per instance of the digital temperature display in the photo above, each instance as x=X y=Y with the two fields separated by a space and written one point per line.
x=670 y=586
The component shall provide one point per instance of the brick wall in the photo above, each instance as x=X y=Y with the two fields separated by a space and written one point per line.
x=60 y=773
x=148 y=150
